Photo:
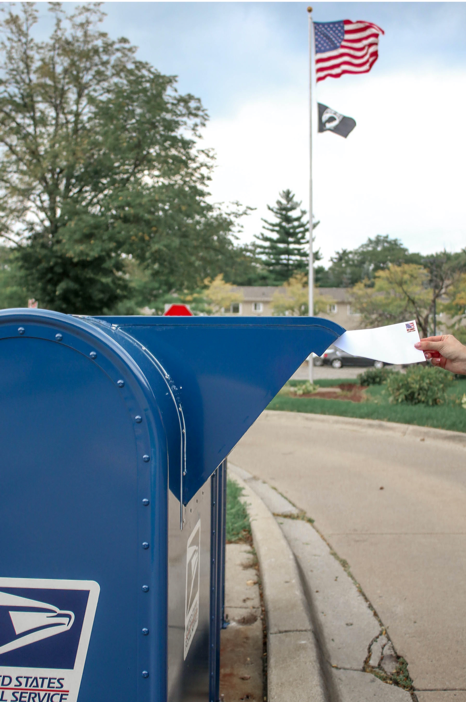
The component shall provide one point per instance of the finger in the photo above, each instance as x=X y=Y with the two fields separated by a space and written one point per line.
x=439 y=362
x=427 y=345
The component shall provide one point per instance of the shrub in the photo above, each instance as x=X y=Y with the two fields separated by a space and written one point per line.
x=374 y=376
x=306 y=388
x=419 y=385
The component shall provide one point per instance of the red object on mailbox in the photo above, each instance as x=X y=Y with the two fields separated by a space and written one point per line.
x=178 y=311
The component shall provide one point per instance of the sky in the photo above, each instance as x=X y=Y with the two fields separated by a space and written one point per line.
x=400 y=172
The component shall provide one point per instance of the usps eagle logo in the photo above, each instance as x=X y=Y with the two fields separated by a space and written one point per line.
x=33 y=620
x=410 y=326
x=45 y=629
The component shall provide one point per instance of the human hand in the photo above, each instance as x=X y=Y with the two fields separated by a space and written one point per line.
x=445 y=352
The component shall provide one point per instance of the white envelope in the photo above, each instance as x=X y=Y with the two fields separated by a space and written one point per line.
x=392 y=344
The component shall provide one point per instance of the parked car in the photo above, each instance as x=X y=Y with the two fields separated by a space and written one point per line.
x=336 y=358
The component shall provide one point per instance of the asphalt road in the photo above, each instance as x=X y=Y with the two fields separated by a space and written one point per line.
x=405 y=543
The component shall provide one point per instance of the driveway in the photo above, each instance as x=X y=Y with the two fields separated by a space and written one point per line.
x=394 y=507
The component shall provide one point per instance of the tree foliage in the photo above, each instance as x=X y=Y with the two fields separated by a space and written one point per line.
x=285 y=250
x=411 y=291
x=12 y=291
x=246 y=267
x=351 y=266
x=220 y=295
x=293 y=299
x=455 y=307
x=99 y=165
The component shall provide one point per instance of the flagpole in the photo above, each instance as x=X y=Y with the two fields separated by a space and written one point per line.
x=311 y=122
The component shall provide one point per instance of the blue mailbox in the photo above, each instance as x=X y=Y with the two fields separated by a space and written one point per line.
x=114 y=436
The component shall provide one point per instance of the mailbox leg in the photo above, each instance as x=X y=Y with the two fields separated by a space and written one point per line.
x=224 y=474
x=217 y=577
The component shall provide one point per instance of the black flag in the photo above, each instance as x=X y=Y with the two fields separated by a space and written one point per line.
x=332 y=121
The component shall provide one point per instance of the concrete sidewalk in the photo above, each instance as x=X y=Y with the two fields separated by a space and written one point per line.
x=241 y=656
x=391 y=501
x=324 y=642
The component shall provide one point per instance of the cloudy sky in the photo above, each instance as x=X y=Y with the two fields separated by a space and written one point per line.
x=401 y=172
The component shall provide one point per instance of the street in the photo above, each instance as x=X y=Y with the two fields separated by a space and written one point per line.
x=394 y=507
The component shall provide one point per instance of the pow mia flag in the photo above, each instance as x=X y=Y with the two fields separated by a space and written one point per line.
x=332 y=121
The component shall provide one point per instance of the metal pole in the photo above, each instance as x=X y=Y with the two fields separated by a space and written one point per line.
x=311 y=110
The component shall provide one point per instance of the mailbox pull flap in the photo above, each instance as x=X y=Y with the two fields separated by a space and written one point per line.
x=225 y=372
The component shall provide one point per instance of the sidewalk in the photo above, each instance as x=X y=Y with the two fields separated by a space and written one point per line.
x=241 y=670
x=325 y=643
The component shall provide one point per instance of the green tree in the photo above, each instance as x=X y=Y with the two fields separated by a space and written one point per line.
x=245 y=267
x=398 y=294
x=351 y=266
x=99 y=164
x=446 y=279
x=411 y=291
x=455 y=308
x=284 y=251
x=12 y=290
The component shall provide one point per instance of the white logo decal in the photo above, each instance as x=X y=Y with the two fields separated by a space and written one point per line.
x=193 y=572
x=45 y=628
x=41 y=620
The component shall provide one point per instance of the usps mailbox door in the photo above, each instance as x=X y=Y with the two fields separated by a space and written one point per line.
x=69 y=544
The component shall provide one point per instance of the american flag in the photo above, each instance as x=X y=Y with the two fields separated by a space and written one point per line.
x=345 y=47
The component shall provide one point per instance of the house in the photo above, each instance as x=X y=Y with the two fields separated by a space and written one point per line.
x=257 y=303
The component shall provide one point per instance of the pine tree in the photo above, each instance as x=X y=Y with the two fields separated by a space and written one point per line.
x=285 y=251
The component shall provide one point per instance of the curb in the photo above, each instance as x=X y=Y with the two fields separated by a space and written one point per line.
x=410 y=430
x=332 y=663
x=292 y=652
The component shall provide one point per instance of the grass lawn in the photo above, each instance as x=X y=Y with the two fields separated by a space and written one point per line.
x=377 y=406
x=238 y=526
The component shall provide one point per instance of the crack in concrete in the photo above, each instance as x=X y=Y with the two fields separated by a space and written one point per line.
x=370 y=652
